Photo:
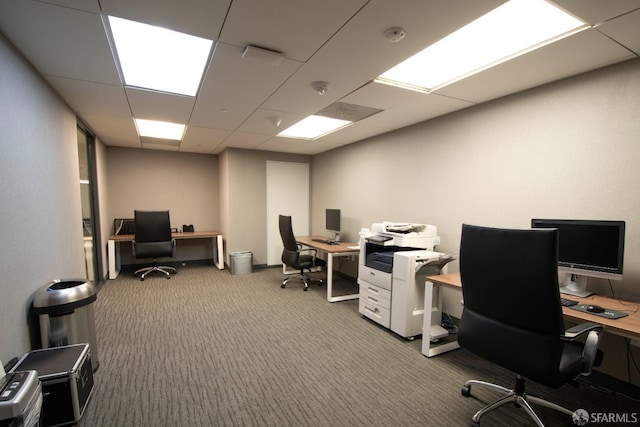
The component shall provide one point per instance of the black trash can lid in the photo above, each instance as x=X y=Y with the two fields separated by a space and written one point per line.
x=60 y=292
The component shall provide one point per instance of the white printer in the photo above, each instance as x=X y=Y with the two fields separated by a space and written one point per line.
x=391 y=255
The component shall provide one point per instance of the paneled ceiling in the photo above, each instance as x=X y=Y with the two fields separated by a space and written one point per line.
x=241 y=101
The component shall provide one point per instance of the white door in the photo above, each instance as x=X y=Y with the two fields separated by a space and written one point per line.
x=287 y=194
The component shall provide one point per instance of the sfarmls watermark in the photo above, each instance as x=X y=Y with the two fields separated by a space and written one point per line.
x=581 y=417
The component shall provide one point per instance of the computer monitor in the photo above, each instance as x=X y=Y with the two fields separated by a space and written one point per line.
x=333 y=222
x=587 y=248
x=124 y=226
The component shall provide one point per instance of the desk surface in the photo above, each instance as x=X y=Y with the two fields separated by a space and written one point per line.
x=179 y=235
x=628 y=326
x=341 y=247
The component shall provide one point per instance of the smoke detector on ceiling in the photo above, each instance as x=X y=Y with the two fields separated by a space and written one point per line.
x=320 y=87
x=394 y=35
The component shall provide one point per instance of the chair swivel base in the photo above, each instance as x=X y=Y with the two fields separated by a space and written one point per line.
x=517 y=397
x=164 y=269
x=305 y=280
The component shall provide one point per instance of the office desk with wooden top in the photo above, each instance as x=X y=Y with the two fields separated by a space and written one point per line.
x=628 y=326
x=116 y=239
x=339 y=249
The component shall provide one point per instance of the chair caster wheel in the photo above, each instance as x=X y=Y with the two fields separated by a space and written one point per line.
x=466 y=391
x=142 y=279
x=305 y=289
x=282 y=286
x=474 y=424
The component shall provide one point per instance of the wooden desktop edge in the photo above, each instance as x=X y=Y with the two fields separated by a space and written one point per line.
x=178 y=235
x=628 y=326
x=340 y=247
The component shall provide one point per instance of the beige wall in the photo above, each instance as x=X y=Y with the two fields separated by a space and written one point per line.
x=184 y=183
x=41 y=231
x=570 y=149
x=245 y=200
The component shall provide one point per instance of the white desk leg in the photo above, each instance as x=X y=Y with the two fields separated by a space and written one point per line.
x=330 y=296
x=446 y=344
x=114 y=259
x=329 y=277
x=219 y=252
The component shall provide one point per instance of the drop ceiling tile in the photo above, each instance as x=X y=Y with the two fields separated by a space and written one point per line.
x=295 y=28
x=234 y=87
x=202 y=140
x=202 y=18
x=597 y=11
x=245 y=140
x=81 y=96
x=269 y=122
x=151 y=105
x=625 y=30
x=86 y=5
x=59 y=41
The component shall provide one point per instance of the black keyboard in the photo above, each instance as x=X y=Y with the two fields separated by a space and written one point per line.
x=567 y=302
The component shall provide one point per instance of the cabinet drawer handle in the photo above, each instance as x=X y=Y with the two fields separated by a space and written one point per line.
x=373 y=311
x=372 y=299
x=373 y=290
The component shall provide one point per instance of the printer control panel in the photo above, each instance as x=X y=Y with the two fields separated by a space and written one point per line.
x=11 y=384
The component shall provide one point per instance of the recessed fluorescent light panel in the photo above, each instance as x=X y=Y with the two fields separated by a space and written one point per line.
x=516 y=27
x=159 y=59
x=314 y=127
x=158 y=129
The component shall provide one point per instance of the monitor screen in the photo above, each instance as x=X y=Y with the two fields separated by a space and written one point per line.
x=124 y=226
x=588 y=247
x=333 y=220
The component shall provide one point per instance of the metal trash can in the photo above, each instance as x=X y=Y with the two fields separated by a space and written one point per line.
x=241 y=262
x=65 y=309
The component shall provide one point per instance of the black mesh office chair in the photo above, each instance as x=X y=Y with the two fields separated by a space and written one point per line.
x=153 y=240
x=294 y=256
x=512 y=314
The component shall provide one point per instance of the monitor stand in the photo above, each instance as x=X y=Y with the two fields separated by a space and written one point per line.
x=576 y=286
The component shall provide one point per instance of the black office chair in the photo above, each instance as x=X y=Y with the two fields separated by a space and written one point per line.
x=153 y=240
x=295 y=257
x=512 y=314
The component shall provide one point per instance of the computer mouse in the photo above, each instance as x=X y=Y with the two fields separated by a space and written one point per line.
x=595 y=309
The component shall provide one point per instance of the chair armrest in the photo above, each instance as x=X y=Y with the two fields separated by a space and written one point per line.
x=310 y=250
x=313 y=252
x=590 y=356
x=580 y=329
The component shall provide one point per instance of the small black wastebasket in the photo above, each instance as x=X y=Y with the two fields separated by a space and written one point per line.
x=65 y=309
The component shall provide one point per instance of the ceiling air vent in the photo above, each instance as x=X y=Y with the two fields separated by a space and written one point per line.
x=345 y=111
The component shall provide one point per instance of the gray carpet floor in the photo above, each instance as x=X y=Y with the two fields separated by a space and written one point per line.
x=207 y=348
